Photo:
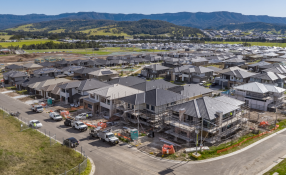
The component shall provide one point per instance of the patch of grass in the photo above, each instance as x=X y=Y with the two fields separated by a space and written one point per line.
x=280 y=168
x=27 y=42
x=88 y=168
x=11 y=88
x=89 y=51
x=29 y=152
x=22 y=92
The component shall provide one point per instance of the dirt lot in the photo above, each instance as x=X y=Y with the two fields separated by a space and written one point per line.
x=12 y=94
x=25 y=99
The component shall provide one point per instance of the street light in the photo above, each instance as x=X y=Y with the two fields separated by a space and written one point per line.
x=197 y=132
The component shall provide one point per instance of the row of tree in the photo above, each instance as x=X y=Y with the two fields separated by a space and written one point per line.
x=53 y=45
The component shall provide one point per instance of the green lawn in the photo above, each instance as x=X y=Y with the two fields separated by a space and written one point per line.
x=6 y=37
x=252 y=43
x=29 y=152
x=102 y=51
x=27 y=42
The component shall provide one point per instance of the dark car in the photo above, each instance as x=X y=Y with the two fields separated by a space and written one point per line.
x=67 y=122
x=71 y=142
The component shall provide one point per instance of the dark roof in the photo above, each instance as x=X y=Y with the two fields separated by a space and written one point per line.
x=13 y=66
x=29 y=81
x=72 y=68
x=155 y=97
x=259 y=64
x=207 y=107
x=153 y=84
x=85 y=70
x=69 y=85
x=46 y=70
x=47 y=64
x=127 y=81
x=90 y=84
x=191 y=90
x=269 y=76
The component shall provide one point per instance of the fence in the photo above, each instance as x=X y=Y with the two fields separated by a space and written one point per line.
x=238 y=144
x=77 y=170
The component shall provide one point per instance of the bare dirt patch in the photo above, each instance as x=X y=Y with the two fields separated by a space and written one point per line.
x=12 y=94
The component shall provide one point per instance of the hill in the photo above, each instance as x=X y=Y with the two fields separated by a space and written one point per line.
x=106 y=27
x=256 y=27
x=198 y=20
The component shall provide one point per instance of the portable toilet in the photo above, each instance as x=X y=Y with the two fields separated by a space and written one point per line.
x=134 y=134
x=50 y=101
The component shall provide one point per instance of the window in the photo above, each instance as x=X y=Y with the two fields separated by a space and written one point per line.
x=132 y=106
x=108 y=102
x=147 y=106
x=63 y=90
x=128 y=105
x=152 y=108
x=89 y=106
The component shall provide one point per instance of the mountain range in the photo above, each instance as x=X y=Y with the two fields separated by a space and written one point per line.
x=256 y=27
x=198 y=20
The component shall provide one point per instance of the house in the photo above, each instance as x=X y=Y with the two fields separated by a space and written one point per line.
x=13 y=67
x=154 y=71
x=12 y=77
x=76 y=91
x=47 y=64
x=24 y=84
x=197 y=74
x=52 y=72
x=70 y=69
x=30 y=67
x=104 y=100
x=233 y=76
x=256 y=66
x=153 y=84
x=61 y=64
x=192 y=91
x=199 y=61
x=103 y=74
x=214 y=118
x=233 y=62
x=83 y=73
x=127 y=81
x=176 y=73
x=265 y=97
x=148 y=107
x=269 y=78
x=37 y=88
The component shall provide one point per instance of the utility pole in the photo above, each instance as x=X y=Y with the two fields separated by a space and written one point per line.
x=202 y=134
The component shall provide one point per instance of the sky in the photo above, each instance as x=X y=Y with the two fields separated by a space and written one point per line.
x=53 y=7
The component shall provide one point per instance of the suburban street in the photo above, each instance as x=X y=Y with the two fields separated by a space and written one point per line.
x=120 y=159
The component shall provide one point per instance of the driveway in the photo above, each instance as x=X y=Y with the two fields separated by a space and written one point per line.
x=122 y=160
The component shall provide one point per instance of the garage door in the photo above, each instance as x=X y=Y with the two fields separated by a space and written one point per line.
x=196 y=80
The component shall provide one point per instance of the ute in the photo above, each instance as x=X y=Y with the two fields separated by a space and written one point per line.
x=37 y=108
x=79 y=126
x=56 y=116
x=105 y=136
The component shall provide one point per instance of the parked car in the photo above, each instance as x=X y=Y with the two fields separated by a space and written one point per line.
x=56 y=116
x=68 y=122
x=83 y=116
x=35 y=124
x=71 y=142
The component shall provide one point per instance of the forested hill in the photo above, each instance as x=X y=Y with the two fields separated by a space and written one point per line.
x=144 y=26
x=198 y=20
x=256 y=27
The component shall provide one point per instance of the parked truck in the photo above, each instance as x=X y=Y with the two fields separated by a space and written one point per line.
x=105 y=136
x=37 y=108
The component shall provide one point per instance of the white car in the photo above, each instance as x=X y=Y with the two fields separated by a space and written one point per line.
x=35 y=124
x=83 y=116
x=56 y=116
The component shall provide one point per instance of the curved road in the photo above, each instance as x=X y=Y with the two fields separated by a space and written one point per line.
x=121 y=160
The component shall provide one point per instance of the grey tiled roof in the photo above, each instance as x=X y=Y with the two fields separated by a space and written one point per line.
x=127 y=81
x=207 y=107
x=153 y=84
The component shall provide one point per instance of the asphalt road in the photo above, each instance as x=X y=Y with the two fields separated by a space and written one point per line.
x=121 y=160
